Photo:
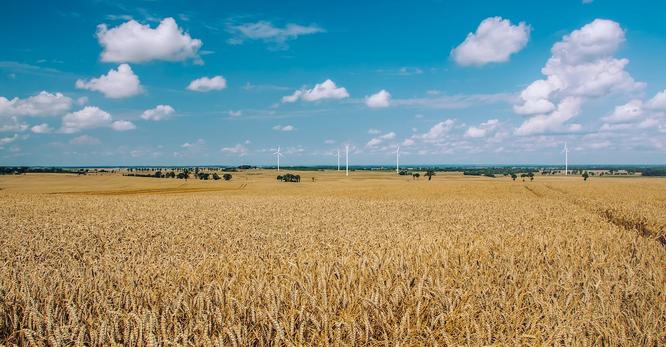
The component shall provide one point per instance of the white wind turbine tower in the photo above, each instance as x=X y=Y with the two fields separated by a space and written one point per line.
x=566 y=159
x=397 y=160
x=338 y=159
x=278 y=155
x=346 y=160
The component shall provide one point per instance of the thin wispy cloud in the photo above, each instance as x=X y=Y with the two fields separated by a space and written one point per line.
x=275 y=36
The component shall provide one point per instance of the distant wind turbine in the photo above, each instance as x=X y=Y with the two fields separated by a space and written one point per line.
x=346 y=160
x=566 y=159
x=278 y=155
x=338 y=159
x=397 y=160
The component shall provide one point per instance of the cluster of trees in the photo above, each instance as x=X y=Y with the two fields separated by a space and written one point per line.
x=184 y=174
x=654 y=172
x=416 y=175
x=20 y=170
x=289 y=178
x=529 y=175
x=479 y=173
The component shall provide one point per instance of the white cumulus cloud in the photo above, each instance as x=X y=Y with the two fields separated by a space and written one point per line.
x=87 y=118
x=116 y=84
x=483 y=129
x=554 y=121
x=158 y=113
x=581 y=66
x=658 y=102
x=321 y=91
x=132 y=42
x=41 y=129
x=494 y=41
x=42 y=104
x=122 y=125
x=12 y=124
x=206 y=84
x=438 y=130
x=376 y=141
x=628 y=112
x=379 y=99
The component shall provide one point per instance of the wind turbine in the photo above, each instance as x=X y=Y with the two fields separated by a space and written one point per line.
x=397 y=160
x=346 y=160
x=338 y=159
x=278 y=155
x=566 y=159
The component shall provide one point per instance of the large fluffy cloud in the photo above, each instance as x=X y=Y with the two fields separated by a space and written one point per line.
x=132 y=42
x=581 y=66
x=379 y=99
x=157 y=113
x=116 y=84
x=206 y=84
x=42 y=104
x=494 y=41
x=321 y=91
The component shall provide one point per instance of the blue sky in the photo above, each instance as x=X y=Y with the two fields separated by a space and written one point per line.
x=474 y=82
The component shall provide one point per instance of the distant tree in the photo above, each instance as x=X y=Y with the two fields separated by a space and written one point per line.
x=416 y=176
x=289 y=178
x=158 y=174
x=216 y=176
x=531 y=176
x=513 y=176
x=279 y=178
x=429 y=173
x=183 y=175
x=227 y=176
x=585 y=176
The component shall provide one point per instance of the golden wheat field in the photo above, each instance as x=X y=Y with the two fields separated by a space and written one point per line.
x=370 y=259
